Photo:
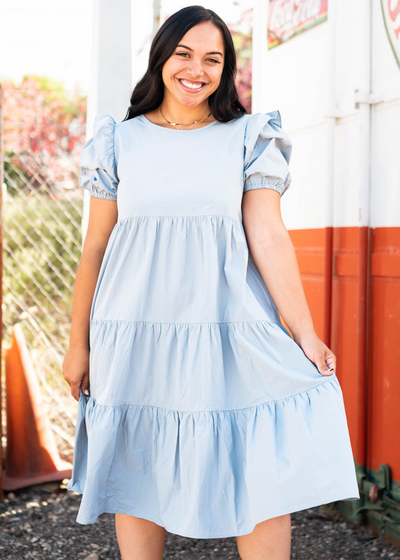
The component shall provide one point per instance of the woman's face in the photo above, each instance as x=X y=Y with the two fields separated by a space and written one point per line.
x=194 y=70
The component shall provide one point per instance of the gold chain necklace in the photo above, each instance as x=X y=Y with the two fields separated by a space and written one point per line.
x=178 y=124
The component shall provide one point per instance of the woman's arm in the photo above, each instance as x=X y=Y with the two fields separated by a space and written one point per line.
x=103 y=216
x=273 y=253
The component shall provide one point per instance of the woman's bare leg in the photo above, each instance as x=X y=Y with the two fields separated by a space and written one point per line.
x=270 y=540
x=139 y=539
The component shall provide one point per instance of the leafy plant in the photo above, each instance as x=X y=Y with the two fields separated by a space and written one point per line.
x=44 y=130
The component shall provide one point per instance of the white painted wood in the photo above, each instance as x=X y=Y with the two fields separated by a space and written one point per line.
x=111 y=68
x=346 y=145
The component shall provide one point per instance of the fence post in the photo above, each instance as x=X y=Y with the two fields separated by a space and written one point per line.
x=1 y=289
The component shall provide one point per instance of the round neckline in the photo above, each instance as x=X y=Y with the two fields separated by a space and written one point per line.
x=144 y=118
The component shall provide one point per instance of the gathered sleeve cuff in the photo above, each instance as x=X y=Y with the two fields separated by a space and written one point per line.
x=98 y=169
x=267 y=152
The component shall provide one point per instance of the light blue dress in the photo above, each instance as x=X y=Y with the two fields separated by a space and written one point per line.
x=204 y=415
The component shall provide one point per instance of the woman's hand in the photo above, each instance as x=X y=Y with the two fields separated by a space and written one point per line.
x=75 y=369
x=318 y=353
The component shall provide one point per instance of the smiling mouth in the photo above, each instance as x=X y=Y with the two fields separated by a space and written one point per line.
x=193 y=86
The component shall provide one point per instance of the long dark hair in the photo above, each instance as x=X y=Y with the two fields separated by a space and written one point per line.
x=149 y=91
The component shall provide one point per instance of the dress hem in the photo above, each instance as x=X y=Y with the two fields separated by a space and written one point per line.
x=324 y=490
x=312 y=504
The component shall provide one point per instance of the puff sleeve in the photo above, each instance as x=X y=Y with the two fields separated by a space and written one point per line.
x=267 y=152
x=98 y=170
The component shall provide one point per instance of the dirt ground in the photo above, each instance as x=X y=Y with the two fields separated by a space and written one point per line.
x=40 y=522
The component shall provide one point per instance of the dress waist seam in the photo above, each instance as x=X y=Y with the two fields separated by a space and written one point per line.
x=179 y=217
x=184 y=323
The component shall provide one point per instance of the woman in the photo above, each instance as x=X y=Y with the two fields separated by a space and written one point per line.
x=204 y=417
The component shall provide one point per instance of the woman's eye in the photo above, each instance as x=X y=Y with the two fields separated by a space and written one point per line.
x=187 y=54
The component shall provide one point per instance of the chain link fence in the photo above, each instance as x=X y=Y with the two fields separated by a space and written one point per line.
x=42 y=242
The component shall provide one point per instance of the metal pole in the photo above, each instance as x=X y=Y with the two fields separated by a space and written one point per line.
x=364 y=239
x=332 y=115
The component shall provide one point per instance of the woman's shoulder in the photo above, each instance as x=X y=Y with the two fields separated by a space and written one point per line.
x=261 y=120
x=241 y=120
x=250 y=122
x=127 y=125
x=261 y=127
x=99 y=148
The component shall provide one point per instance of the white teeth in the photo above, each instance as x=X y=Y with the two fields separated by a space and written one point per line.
x=192 y=86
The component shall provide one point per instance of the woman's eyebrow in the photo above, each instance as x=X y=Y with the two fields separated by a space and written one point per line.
x=185 y=47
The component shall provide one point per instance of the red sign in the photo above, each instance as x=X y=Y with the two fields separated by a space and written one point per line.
x=287 y=18
x=391 y=16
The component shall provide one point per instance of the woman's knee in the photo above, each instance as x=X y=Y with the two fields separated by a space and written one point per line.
x=270 y=539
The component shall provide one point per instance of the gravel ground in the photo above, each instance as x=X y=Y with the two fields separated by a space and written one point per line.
x=39 y=522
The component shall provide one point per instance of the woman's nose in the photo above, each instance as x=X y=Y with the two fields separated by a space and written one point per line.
x=195 y=69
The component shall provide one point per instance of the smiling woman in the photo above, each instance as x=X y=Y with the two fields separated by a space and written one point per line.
x=210 y=75
x=205 y=417
x=191 y=75
x=190 y=78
